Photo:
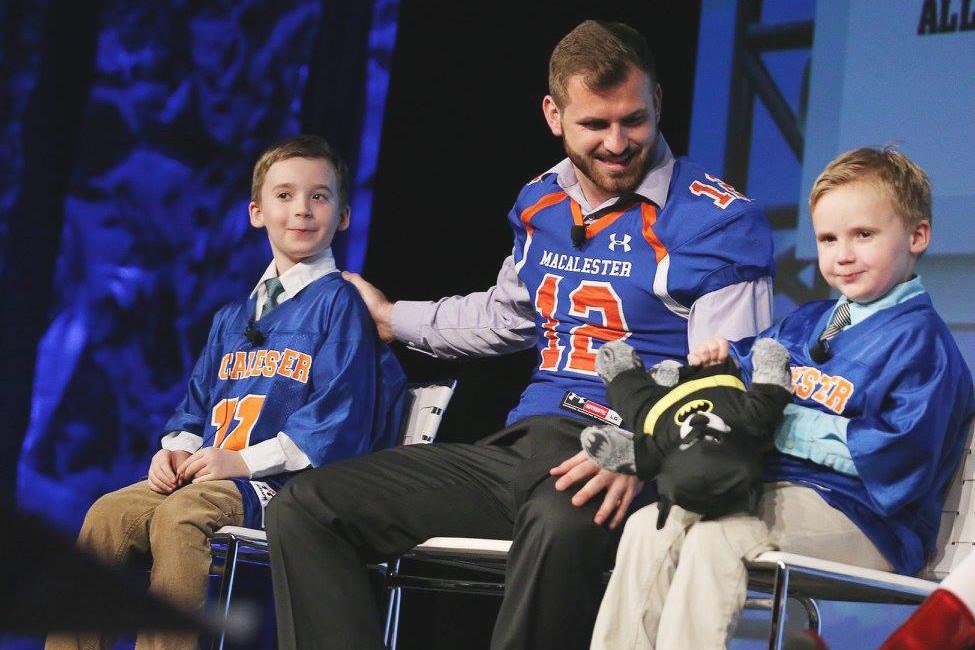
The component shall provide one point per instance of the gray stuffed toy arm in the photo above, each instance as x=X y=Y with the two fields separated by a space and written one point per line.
x=770 y=391
x=614 y=448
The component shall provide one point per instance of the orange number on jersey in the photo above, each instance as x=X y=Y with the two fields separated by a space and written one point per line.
x=589 y=296
x=245 y=411
x=546 y=302
x=594 y=296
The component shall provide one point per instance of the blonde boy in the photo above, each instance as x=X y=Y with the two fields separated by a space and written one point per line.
x=875 y=428
x=292 y=377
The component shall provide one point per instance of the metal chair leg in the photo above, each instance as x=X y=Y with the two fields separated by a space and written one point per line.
x=779 y=598
x=391 y=635
x=226 y=588
x=812 y=612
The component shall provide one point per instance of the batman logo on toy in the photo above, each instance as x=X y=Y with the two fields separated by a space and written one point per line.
x=692 y=407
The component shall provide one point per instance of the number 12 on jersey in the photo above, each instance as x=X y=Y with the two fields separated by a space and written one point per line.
x=587 y=297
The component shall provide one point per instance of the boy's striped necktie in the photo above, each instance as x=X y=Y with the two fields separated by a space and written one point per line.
x=274 y=291
x=840 y=319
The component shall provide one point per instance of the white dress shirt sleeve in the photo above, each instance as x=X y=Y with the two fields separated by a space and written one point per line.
x=274 y=456
x=181 y=441
x=486 y=323
x=733 y=312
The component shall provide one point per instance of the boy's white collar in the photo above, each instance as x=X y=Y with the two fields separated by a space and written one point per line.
x=300 y=275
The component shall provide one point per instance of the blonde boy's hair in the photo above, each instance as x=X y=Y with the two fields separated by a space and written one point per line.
x=905 y=183
x=301 y=146
x=600 y=51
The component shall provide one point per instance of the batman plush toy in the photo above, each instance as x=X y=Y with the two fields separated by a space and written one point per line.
x=699 y=432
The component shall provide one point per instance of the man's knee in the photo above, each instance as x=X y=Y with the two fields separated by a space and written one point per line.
x=552 y=520
x=308 y=501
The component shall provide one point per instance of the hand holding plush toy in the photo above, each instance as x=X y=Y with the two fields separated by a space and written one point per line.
x=701 y=434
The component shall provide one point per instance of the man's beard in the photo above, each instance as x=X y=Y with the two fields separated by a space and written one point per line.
x=616 y=184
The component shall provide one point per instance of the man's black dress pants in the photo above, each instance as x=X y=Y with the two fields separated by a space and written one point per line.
x=326 y=523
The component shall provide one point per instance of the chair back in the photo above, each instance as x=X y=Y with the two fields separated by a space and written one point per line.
x=956 y=534
x=423 y=411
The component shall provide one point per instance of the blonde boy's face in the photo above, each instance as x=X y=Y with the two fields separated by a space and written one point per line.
x=864 y=247
x=299 y=207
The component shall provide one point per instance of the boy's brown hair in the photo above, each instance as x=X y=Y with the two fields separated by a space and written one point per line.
x=301 y=146
x=905 y=183
x=602 y=52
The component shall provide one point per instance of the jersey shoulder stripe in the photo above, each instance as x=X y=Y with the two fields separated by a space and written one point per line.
x=538 y=187
x=542 y=203
x=648 y=212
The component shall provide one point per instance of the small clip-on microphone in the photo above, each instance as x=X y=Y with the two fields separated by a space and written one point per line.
x=820 y=352
x=253 y=334
x=578 y=235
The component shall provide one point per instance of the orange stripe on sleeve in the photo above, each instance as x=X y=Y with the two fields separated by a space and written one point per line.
x=649 y=213
x=544 y=202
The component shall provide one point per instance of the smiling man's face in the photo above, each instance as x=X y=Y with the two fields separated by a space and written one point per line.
x=609 y=135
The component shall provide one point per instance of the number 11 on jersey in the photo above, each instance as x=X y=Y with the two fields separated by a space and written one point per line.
x=589 y=296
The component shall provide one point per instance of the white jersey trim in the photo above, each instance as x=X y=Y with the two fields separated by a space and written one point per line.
x=660 y=289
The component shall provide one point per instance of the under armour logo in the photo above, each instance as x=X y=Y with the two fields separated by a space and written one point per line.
x=625 y=242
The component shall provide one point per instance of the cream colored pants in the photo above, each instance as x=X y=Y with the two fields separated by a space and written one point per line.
x=683 y=587
x=176 y=530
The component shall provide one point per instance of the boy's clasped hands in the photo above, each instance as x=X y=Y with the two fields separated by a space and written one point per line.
x=170 y=470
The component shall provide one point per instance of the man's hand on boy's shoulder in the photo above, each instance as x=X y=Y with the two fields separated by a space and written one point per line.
x=212 y=464
x=379 y=306
x=162 y=470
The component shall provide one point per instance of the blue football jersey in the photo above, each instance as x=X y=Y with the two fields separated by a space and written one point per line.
x=901 y=381
x=320 y=375
x=634 y=278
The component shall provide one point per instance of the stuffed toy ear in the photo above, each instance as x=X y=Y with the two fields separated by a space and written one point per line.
x=666 y=373
x=616 y=357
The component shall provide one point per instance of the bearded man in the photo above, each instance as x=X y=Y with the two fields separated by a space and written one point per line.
x=618 y=241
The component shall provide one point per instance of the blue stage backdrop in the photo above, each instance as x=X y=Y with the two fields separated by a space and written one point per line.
x=156 y=235
x=19 y=60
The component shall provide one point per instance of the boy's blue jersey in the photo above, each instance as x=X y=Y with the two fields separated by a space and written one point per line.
x=635 y=278
x=903 y=385
x=321 y=375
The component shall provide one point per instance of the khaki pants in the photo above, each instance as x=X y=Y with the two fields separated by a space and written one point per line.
x=176 y=530
x=683 y=587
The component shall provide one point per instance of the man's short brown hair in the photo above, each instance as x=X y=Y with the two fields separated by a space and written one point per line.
x=600 y=51
x=900 y=178
x=301 y=146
